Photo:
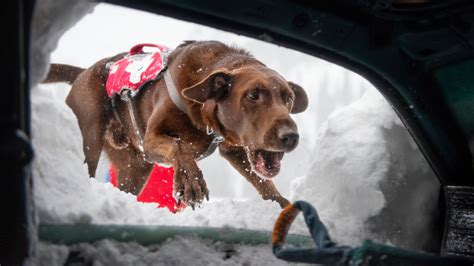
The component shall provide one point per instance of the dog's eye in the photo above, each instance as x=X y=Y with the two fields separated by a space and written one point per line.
x=289 y=99
x=253 y=95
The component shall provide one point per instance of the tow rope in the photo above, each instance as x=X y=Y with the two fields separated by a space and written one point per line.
x=328 y=252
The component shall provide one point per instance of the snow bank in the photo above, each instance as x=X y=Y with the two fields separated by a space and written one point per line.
x=178 y=251
x=51 y=19
x=368 y=179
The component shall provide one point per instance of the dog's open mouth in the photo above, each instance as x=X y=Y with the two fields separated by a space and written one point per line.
x=266 y=164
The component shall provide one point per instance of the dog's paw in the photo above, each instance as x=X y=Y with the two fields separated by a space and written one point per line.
x=189 y=186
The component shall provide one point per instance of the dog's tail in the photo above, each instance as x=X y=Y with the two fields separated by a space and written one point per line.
x=62 y=73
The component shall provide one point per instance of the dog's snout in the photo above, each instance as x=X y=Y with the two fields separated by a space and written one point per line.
x=288 y=138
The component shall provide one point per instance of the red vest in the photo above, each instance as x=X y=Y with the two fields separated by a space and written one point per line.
x=135 y=68
x=130 y=73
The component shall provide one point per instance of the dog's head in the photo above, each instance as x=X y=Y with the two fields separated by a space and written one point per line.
x=252 y=105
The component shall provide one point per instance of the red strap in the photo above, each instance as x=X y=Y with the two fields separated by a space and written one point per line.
x=138 y=49
x=158 y=188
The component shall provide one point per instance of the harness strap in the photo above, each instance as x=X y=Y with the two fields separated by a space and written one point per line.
x=216 y=139
x=173 y=91
x=127 y=98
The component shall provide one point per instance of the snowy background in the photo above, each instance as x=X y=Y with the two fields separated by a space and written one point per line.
x=356 y=162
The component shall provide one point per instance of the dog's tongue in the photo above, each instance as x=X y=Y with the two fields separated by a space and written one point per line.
x=260 y=164
x=268 y=163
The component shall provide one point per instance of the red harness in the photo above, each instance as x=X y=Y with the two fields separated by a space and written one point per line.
x=131 y=72
x=136 y=68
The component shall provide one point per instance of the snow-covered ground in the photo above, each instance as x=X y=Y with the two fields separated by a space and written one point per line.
x=356 y=162
x=193 y=251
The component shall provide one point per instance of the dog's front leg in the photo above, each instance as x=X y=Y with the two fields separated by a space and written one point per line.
x=189 y=184
x=238 y=159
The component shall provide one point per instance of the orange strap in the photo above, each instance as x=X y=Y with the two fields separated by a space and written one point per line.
x=283 y=224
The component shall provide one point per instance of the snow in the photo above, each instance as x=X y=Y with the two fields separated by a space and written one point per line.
x=368 y=179
x=51 y=18
x=191 y=250
x=46 y=31
x=356 y=162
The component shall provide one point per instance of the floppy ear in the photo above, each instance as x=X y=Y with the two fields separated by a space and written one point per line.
x=215 y=85
x=301 y=99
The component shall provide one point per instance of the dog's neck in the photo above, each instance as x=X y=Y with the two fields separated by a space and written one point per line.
x=211 y=127
x=188 y=66
x=173 y=91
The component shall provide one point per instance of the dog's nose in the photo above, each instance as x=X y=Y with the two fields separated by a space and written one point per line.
x=289 y=139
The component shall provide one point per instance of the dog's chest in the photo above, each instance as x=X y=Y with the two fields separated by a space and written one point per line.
x=136 y=68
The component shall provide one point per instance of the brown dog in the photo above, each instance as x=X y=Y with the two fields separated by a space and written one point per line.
x=222 y=88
